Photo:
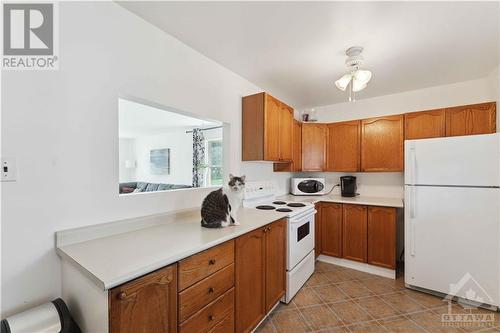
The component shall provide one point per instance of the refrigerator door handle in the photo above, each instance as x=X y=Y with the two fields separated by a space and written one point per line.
x=412 y=238
x=412 y=202
x=413 y=167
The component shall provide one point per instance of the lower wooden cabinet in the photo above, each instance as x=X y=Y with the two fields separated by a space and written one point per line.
x=260 y=262
x=382 y=236
x=331 y=229
x=357 y=232
x=147 y=304
x=354 y=230
x=317 y=230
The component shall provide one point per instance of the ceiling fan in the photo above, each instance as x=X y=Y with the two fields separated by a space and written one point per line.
x=356 y=79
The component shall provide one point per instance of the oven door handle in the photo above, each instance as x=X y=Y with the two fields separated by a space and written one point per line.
x=302 y=217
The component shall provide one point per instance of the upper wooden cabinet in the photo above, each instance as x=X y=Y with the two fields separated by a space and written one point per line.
x=331 y=229
x=471 y=119
x=147 y=304
x=313 y=147
x=296 y=164
x=382 y=236
x=343 y=146
x=425 y=124
x=354 y=232
x=267 y=126
x=260 y=261
x=382 y=144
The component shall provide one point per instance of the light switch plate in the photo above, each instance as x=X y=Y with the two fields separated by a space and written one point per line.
x=8 y=168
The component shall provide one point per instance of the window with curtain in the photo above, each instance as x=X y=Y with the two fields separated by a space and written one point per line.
x=213 y=155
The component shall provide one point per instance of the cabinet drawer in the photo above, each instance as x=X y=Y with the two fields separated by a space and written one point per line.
x=225 y=326
x=197 y=296
x=199 y=266
x=208 y=317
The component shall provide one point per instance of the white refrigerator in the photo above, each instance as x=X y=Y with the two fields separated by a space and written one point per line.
x=452 y=216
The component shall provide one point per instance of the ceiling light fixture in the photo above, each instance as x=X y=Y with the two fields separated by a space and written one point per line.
x=356 y=79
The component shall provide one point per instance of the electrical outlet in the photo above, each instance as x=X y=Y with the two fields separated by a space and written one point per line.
x=8 y=169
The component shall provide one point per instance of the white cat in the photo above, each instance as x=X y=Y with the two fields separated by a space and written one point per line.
x=234 y=193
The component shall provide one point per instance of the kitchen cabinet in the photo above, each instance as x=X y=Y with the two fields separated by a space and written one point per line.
x=146 y=304
x=382 y=236
x=471 y=119
x=275 y=262
x=382 y=144
x=285 y=133
x=317 y=229
x=343 y=146
x=313 y=147
x=354 y=232
x=296 y=164
x=331 y=229
x=425 y=124
x=267 y=127
x=260 y=259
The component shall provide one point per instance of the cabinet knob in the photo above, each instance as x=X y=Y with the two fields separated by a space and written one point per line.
x=269 y=228
x=211 y=262
x=122 y=295
x=211 y=290
x=211 y=317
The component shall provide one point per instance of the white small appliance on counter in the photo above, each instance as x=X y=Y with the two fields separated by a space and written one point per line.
x=452 y=216
x=307 y=186
x=300 y=232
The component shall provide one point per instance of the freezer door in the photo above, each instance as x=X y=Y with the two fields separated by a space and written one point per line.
x=461 y=161
x=452 y=237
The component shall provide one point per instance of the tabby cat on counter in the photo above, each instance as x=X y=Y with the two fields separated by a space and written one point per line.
x=219 y=208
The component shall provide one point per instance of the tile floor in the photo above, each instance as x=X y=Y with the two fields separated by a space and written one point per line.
x=337 y=299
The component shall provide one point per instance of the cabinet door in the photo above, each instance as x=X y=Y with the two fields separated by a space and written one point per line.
x=425 y=124
x=250 y=305
x=382 y=236
x=354 y=232
x=343 y=147
x=313 y=147
x=317 y=230
x=147 y=304
x=297 y=146
x=382 y=144
x=471 y=119
x=331 y=229
x=271 y=129
x=286 y=132
x=275 y=262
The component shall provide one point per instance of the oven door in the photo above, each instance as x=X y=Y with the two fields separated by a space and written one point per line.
x=300 y=237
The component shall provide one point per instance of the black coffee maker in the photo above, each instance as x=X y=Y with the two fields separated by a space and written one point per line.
x=348 y=186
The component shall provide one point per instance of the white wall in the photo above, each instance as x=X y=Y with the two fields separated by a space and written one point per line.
x=391 y=184
x=126 y=151
x=59 y=123
x=180 y=144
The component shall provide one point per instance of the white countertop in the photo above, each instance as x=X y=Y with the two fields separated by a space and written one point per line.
x=112 y=259
x=358 y=200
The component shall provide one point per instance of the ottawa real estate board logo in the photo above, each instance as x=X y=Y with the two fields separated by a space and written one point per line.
x=30 y=36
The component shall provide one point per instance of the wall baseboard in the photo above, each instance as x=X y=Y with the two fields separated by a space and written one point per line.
x=360 y=266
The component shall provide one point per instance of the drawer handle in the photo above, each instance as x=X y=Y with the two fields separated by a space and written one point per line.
x=211 y=317
x=122 y=295
x=211 y=290
x=211 y=262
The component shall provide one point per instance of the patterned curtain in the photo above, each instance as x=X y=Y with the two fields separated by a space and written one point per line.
x=198 y=157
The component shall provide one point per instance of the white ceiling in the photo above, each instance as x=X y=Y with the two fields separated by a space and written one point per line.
x=295 y=50
x=138 y=119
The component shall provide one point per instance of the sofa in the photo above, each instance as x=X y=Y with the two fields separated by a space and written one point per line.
x=135 y=187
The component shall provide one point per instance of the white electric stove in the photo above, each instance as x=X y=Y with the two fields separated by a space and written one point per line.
x=300 y=231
